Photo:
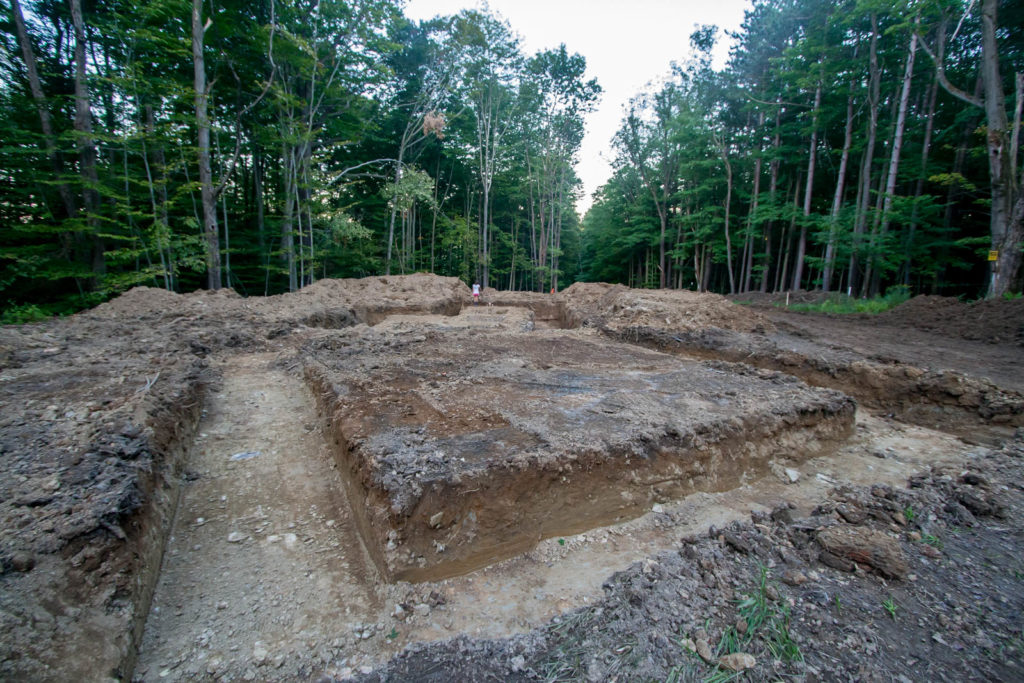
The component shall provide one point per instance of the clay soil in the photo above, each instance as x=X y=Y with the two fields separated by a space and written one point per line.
x=376 y=480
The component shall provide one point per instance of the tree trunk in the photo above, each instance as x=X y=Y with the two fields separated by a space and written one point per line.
x=1006 y=225
x=894 y=157
x=874 y=94
x=39 y=98
x=926 y=145
x=728 y=203
x=773 y=186
x=210 y=232
x=801 y=248
x=837 y=199
x=86 y=144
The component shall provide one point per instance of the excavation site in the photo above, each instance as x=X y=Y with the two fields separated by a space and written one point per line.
x=379 y=479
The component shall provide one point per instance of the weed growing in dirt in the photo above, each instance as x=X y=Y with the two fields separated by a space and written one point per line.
x=931 y=540
x=890 y=607
x=909 y=514
x=763 y=616
x=839 y=605
x=565 y=662
x=722 y=676
x=842 y=304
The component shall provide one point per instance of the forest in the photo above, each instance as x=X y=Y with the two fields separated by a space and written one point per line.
x=847 y=146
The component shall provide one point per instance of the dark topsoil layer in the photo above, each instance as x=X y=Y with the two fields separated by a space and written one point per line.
x=98 y=408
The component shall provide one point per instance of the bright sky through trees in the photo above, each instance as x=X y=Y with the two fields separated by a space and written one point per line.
x=626 y=44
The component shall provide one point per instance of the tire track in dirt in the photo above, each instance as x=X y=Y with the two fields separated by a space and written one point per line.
x=264 y=565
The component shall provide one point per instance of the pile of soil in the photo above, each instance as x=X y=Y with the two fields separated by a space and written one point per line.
x=994 y=321
x=617 y=308
x=871 y=584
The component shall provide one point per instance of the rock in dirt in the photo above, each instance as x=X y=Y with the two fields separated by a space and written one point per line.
x=22 y=562
x=236 y=537
x=738 y=661
x=793 y=577
x=704 y=650
x=865 y=546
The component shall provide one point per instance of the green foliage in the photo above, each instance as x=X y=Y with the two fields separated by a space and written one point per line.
x=19 y=315
x=843 y=304
x=766 y=620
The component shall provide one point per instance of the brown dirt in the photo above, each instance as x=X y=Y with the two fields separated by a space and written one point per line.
x=619 y=308
x=110 y=416
x=470 y=448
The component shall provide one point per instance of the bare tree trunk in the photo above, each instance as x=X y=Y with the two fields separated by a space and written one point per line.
x=874 y=94
x=39 y=98
x=728 y=203
x=288 y=216
x=926 y=145
x=85 y=142
x=894 y=157
x=801 y=249
x=213 y=274
x=748 y=265
x=837 y=199
x=773 y=186
x=1006 y=227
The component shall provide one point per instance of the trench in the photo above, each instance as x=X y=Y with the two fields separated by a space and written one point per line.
x=272 y=572
x=263 y=560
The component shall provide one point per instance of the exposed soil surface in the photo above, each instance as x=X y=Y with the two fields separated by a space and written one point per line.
x=603 y=484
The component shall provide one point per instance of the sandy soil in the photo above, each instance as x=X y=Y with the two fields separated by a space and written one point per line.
x=895 y=555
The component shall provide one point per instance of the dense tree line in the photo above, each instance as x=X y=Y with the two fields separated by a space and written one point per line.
x=852 y=146
x=263 y=145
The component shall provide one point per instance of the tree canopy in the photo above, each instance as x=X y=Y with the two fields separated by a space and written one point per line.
x=852 y=145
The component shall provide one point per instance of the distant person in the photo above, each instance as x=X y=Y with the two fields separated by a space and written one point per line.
x=476 y=294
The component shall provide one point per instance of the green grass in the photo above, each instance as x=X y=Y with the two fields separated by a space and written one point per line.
x=764 y=618
x=890 y=607
x=842 y=304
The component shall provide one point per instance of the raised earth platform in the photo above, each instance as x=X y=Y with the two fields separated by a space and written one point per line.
x=466 y=448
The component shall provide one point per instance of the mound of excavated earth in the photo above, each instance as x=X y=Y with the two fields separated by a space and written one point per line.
x=618 y=308
x=467 y=448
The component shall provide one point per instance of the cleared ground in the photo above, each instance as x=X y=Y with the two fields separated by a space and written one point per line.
x=530 y=465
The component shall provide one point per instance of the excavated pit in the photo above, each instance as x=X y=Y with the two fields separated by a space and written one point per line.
x=460 y=449
x=461 y=435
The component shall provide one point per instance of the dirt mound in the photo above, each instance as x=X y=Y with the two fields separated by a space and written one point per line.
x=344 y=302
x=617 y=308
x=995 y=321
x=146 y=301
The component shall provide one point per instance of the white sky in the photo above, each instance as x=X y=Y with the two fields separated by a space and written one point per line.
x=627 y=44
